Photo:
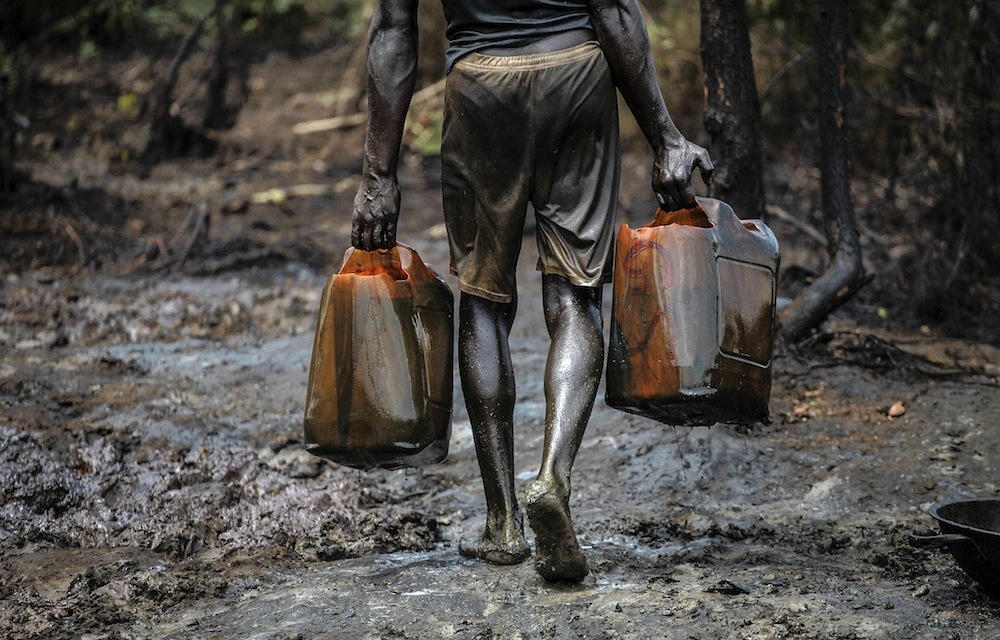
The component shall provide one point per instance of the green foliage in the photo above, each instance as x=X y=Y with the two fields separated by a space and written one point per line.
x=163 y=20
x=423 y=130
x=68 y=22
x=791 y=20
x=673 y=34
x=347 y=15
x=256 y=14
x=668 y=24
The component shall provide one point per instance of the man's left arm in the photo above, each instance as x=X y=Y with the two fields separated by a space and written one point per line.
x=621 y=31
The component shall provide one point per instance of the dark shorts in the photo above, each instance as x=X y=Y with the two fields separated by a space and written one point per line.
x=539 y=129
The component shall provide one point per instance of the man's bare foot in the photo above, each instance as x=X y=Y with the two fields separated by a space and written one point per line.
x=511 y=549
x=557 y=552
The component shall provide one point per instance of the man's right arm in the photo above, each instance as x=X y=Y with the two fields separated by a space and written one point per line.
x=622 y=34
x=392 y=65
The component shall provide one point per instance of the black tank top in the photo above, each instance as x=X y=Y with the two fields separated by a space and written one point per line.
x=481 y=24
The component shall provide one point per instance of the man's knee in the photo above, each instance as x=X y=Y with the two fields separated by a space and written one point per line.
x=478 y=314
x=562 y=296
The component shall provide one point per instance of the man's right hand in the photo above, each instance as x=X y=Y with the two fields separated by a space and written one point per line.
x=376 y=210
x=392 y=74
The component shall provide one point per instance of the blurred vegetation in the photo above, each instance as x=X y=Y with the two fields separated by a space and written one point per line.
x=108 y=23
x=924 y=106
x=924 y=113
x=244 y=30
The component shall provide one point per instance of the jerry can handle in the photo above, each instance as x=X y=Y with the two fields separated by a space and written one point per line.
x=693 y=217
x=373 y=263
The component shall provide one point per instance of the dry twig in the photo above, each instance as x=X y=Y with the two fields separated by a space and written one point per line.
x=801 y=225
x=75 y=237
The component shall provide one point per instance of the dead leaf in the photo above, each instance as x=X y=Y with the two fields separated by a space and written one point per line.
x=236 y=205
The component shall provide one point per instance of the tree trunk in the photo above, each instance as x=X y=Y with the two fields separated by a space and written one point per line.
x=732 y=112
x=218 y=115
x=8 y=134
x=845 y=274
x=976 y=192
x=167 y=135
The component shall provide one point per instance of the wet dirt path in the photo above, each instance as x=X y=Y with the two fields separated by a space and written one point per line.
x=154 y=485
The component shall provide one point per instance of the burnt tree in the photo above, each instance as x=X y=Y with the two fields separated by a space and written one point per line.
x=218 y=115
x=732 y=111
x=949 y=76
x=845 y=273
x=168 y=136
x=8 y=135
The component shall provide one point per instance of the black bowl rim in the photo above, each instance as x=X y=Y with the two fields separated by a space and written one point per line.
x=934 y=511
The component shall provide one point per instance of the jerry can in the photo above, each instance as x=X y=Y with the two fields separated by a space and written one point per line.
x=693 y=317
x=380 y=381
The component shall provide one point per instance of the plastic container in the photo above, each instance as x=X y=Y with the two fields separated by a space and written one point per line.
x=380 y=383
x=693 y=317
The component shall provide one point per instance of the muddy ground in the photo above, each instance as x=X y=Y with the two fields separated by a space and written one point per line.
x=153 y=482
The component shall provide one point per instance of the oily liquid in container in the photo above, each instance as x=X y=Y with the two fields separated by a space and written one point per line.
x=693 y=317
x=380 y=382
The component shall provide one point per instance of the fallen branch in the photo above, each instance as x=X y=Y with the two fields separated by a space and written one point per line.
x=279 y=195
x=932 y=357
x=199 y=215
x=801 y=225
x=799 y=57
x=329 y=124
x=428 y=92
x=75 y=237
x=161 y=246
x=239 y=260
x=356 y=119
x=194 y=228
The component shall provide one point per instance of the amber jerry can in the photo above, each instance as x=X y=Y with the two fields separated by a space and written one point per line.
x=380 y=382
x=693 y=317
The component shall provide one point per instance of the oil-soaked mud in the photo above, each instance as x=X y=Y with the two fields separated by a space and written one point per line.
x=153 y=482
x=154 y=485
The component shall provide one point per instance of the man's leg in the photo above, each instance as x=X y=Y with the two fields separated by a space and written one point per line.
x=488 y=384
x=573 y=371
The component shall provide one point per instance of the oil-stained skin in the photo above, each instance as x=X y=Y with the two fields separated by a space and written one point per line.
x=572 y=313
x=573 y=319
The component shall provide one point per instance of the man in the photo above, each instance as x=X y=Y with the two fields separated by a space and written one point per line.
x=530 y=116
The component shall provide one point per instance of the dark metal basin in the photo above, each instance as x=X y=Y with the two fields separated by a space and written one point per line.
x=970 y=530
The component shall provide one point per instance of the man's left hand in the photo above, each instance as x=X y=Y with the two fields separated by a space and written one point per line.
x=672 y=169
